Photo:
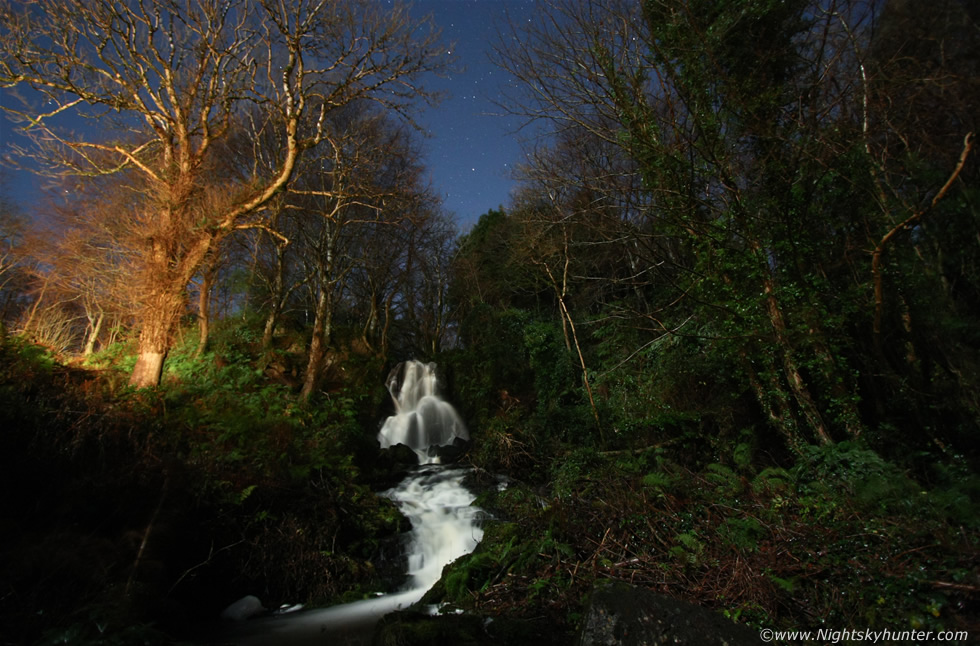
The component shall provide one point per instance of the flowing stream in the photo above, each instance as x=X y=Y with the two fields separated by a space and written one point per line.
x=432 y=497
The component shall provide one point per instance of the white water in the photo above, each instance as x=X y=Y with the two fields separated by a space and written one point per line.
x=433 y=499
x=423 y=420
x=443 y=522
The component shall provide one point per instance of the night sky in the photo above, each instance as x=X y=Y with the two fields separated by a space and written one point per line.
x=473 y=148
x=470 y=148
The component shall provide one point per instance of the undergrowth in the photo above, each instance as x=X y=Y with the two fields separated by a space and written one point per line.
x=153 y=508
x=842 y=538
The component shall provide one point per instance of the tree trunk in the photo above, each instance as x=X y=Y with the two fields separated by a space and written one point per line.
x=165 y=281
x=844 y=401
x=773 y=403
x=797 y=385
x=387 y=326
x=370 y=329
x=278 y=287
x=322 y=323
x=271 y=321
x=786 y=352
x=161 y=316
x=149 y=363
x=204 y=312
x=566 y=316
x=96 y=328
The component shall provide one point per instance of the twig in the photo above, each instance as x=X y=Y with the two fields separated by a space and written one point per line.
x=146 y=535
x=211 y=555
x=955 y=586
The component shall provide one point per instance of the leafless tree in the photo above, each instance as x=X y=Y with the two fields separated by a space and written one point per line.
x=360 y=177
x=11 y=277
x=175 y=78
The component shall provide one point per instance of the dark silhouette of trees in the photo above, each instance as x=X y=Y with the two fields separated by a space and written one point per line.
x=734 y=178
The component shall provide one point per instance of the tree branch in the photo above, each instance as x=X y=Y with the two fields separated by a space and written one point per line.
x=907 y=224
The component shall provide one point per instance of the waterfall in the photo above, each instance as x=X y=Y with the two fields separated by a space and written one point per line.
x=432 y=497
x=443 y=522
x=423 y=420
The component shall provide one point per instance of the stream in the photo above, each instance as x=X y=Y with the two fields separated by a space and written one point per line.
x=444 y=524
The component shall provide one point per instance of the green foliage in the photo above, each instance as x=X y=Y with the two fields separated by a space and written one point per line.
x=119 y=356
x=956 y=495
x=658 y=481
x=742 y=533
x=688 y=550
x=40 y=357
x=773 y=480
x=498 y=552
x=254 y=488
x=492 y=361
x=506 y=550
x=573 y=474
x=98 y=633
x=725 y=481
x=858 y=472
x=551 y=363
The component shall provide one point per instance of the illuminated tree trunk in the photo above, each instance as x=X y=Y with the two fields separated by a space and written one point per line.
x=162 y=312
x=95 y=327
x=165 y=283
x=369 y=332
x=322 y=330
x=773 y=402
x=277 y=298
x=186 y=72
x=204 y=312
x=791 y=370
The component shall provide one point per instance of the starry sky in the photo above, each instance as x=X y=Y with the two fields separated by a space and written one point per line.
x=470 y=147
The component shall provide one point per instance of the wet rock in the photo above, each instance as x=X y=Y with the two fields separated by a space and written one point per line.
x=620 y=614
x=451 y=453
x=245 y=608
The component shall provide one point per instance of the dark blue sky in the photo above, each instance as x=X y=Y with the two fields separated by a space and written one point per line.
x=470 y=149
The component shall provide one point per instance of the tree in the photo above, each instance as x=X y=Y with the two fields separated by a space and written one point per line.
x=363 y=176
x=176 y=78
x=776 y=144
x=11 y=276
x=432 y=313
x=738 y=120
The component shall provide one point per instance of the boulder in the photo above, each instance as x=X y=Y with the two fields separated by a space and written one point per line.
x=620 y=614
x=245 y=608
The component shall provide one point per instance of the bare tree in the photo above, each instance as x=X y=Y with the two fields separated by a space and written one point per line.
x=434 y=247
x=363 y=175
x=11 y=276
x=176 y=77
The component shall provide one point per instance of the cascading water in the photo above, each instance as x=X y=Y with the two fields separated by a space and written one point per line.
x=432 y=497
x=423 y=420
